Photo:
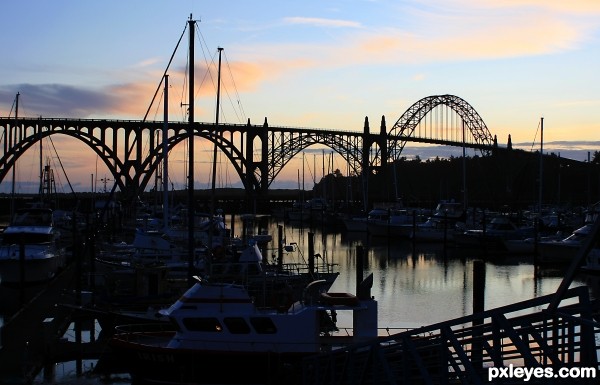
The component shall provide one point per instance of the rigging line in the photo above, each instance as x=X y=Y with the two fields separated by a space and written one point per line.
x=61 y=166
x=146 y=149
x=12 y=108
x=232 y=105
x=203 y=45
x=166 y=69
x=207 y=73
x=184 y=91
x=535 y=137
x=237 y=94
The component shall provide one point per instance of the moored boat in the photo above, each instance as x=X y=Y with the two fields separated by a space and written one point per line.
x=564 y=250
x=215 y=325
x=440 y=227
x=500 y=229
x=30 y=252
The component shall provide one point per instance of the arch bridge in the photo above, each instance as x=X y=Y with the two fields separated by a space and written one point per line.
x=133 y=150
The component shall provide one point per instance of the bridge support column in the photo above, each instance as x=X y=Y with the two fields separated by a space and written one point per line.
x=264 y=159
x=383 y=142
x=365 y=172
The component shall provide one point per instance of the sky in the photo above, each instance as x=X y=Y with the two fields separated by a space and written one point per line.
x=318 y=64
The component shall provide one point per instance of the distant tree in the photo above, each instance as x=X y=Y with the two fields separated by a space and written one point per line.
x=596 y=158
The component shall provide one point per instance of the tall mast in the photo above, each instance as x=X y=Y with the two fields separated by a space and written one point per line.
x=464 y=167
x=165 y=146
x=541 y=162
x=191 y=204
x=41 y=168
x=14 y=171
x=214 y=165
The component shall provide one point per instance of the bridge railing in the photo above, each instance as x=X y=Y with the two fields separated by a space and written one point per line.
x=463 y=350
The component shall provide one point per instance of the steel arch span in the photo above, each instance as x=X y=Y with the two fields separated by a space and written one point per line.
x=132 y=150
x=405 y=126
x=285 y=146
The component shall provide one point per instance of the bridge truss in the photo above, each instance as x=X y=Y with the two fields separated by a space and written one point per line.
x=441 y=119
x=132 y=150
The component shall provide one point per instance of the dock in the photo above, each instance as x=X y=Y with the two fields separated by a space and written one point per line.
x=26 y=337
x=463 y=350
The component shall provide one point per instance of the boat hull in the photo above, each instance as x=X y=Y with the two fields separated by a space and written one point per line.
x=30 y=270
x=557 y=252
x=160 y=364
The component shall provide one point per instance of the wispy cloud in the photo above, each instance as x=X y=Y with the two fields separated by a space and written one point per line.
x=149 y=62
x=322 y=22
x=462 y=30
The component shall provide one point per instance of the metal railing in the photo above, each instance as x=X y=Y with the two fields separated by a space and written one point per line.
x=464 y=349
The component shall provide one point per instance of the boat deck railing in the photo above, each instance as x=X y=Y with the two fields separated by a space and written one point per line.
x=464 y=350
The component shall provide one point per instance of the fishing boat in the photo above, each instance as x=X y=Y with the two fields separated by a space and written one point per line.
x=30 y=252
x=217 y=329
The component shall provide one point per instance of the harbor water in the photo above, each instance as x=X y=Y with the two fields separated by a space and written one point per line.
x=415 y=284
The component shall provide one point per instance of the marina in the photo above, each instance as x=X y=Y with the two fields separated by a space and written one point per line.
x=342 y=284
x=417 y=287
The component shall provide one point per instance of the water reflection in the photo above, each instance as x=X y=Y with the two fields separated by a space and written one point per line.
x=415 y=285
x=420 y=284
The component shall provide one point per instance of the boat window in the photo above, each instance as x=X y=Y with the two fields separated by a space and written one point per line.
x=202 y=324
x=236 y=325
x=263 y=325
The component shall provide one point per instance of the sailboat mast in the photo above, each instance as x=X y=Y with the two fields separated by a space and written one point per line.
x=541 y=162
x=464 y=167
x=191 y=204
x=41 y=193
x=214 y=164
x=14 y=171
x=165 y=146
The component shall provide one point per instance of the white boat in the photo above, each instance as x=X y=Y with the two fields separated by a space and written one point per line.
x=362 y=223
x=30 y=251
x=440 y=227
x=563 y=250
x=500 y=229
x=394 y=222
x=217 y=328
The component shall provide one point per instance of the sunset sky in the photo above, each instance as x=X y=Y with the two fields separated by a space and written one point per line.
x=320 y=64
